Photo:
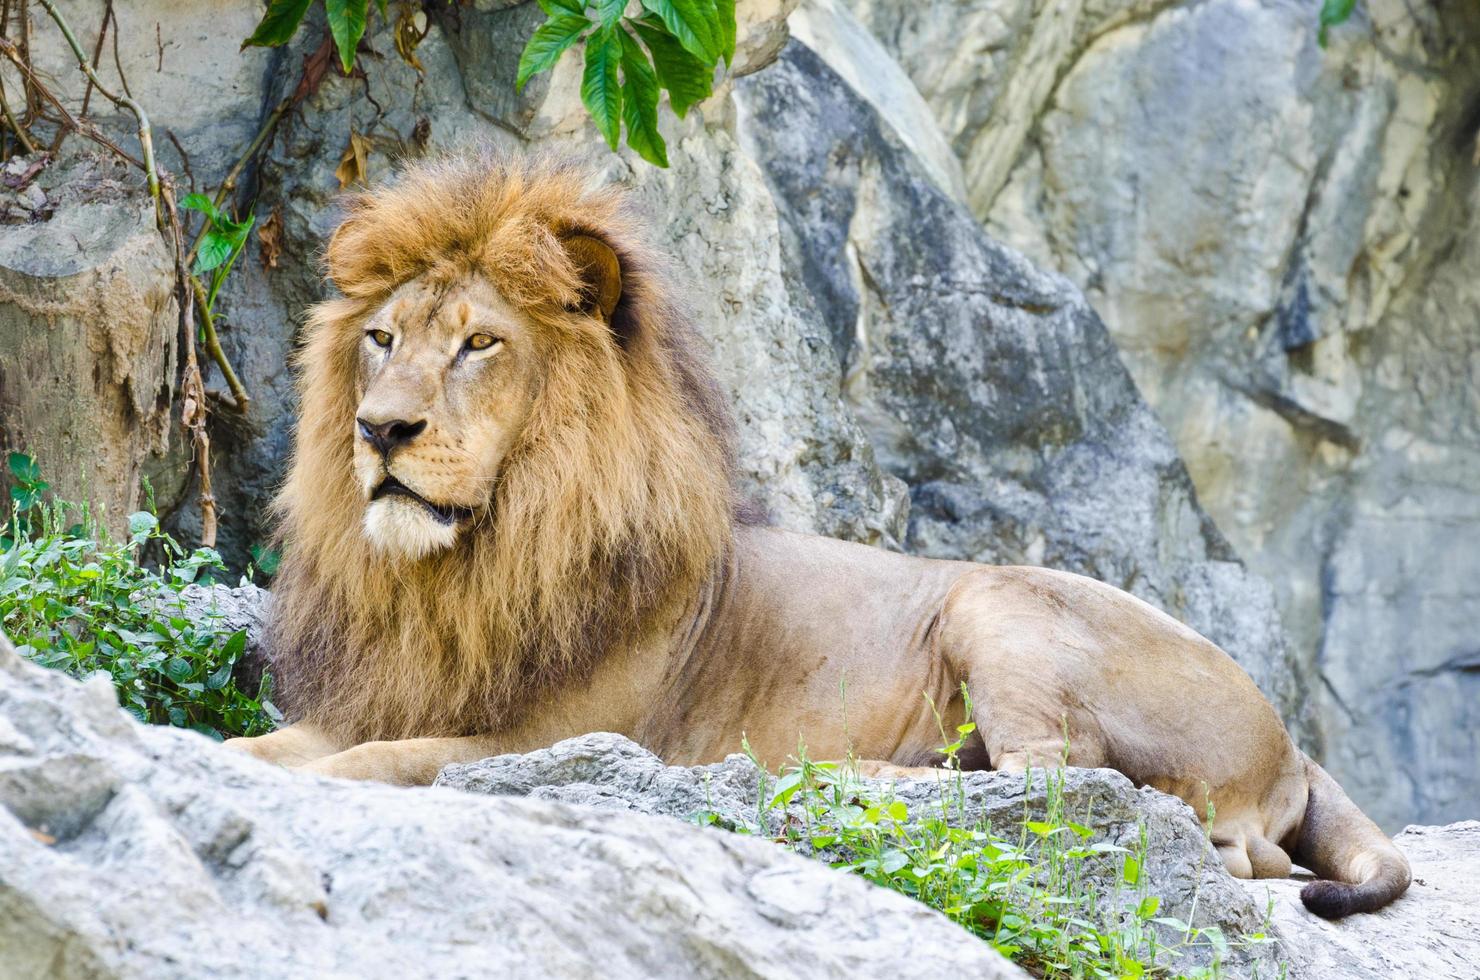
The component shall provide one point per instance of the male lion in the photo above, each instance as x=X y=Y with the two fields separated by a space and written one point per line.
x=509 y=519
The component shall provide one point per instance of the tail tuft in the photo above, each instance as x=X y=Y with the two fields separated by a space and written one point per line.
x=1330 y=899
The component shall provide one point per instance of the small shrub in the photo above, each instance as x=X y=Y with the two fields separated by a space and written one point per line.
x=73 y=600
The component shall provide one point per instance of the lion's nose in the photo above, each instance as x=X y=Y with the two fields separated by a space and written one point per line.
x=386 y=436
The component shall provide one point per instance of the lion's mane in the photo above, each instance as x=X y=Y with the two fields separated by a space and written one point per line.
x=615 y=502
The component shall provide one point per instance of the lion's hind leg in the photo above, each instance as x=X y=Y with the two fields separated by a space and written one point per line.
x=1250 y=855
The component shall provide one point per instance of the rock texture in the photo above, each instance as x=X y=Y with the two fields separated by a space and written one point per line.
x=130 y=851
x=610 y=772
x=990 y=387
x=88 y=328
x=1282 y=241
x=1433 y=932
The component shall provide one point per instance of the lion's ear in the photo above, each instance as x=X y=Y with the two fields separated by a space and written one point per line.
x=600 y=272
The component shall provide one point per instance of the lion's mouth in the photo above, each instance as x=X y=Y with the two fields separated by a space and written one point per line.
x=444 y=513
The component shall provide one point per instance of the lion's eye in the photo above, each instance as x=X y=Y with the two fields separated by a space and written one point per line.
x=481 y=341
x=380 y=338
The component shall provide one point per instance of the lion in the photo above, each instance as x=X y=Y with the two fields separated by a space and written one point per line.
x=510 y=518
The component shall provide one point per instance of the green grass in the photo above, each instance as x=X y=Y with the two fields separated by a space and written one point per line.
x=72 y=599
x=1042 y=892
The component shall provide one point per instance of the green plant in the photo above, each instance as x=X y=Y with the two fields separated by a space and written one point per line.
x=672 y=45
x=73 y=600
x=1043 y=892
x=221 y=243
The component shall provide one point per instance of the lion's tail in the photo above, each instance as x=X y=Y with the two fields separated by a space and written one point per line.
x=1361 y=870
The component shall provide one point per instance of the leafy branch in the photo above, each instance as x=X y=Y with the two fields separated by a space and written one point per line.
x=1334 y=13
x=671 y=45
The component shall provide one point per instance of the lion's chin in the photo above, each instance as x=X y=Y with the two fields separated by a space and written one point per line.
x=403 y=527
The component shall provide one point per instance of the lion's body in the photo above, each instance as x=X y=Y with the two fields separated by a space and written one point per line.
x=586 y=572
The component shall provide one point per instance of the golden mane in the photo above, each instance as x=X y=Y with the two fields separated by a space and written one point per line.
x=615 y=501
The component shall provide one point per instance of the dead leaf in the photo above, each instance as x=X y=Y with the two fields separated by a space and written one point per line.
x=42 y=836
x=421 y=133
x=411 y=28
x=354 y=164
x=315 y=66
x=270 y=239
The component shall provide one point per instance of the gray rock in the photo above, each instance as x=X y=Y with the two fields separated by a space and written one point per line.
x=988 y=386
x=1433 y=932
x=131 y=851
x=610 y=772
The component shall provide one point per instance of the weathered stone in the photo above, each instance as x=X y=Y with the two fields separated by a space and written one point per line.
x=133 y=851
x=1182 y=870
x=88 y=329
x=988 y=386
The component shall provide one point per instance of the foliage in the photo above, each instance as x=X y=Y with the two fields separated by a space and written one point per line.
x=73 y=600
x=672 y=45
x=221 y=243
x=1042 y=893
x=1334 y=12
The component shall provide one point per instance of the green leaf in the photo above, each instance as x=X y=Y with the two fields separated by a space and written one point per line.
x=690 y=21
x=219 y=678
x=726 y=10
x=549 y=41
x=178 y=669
x=215 y=248
x=601 y=89
x=1130 y=872
x=141 y=523
x=687 y=79
x=278 y=24
x=640 y=103
x=1148 y=907
x=23 y=468
x=574 y=6
x=234 y=647
x=1334 y=12
x=607 y=11
x=347 y=24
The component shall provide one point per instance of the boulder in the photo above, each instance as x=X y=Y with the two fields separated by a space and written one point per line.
x=135 y=851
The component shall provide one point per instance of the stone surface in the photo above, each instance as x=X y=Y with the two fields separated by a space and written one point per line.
x=1432 y=932
x=990 y=387
x=130 y=851
x=88 y=329
x=612 y=773
x=1282 y=242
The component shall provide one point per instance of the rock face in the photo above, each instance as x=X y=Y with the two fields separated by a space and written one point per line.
x=989 y=387
x=1282 y=242
x=87 y=328
x=131 y=851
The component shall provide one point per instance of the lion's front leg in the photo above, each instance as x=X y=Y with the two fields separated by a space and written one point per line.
x=295 y=745
x=407 y=762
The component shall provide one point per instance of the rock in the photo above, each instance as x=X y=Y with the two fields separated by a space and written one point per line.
x=611 y=773
x=990 y=387
x=88 y=330
x=132 y=851
x=1432 y=932
x=1281 y=241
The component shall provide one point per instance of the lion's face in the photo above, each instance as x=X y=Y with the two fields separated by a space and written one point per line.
x=447 y=376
